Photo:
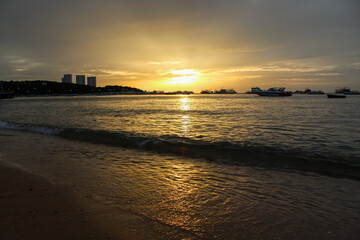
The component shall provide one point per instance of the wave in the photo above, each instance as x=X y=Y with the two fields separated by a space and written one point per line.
x=222 y=152
x=30 y=128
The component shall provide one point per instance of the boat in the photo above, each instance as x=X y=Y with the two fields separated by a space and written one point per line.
x=225 y=91
x=309 y=91
x=336 y=95
x=6 y=95
x=346 y=91
x=274 y=92
x=207 y=92
x=254 y=90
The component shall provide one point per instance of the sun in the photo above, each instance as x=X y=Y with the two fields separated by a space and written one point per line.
x=184 y=76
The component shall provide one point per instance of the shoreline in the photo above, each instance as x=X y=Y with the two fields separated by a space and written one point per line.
x=96 y=191
x=33 y=208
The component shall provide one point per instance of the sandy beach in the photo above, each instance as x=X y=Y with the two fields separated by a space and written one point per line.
x=32 y=208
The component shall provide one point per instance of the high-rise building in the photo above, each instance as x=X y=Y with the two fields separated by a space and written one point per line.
x=91 y=81
x=80 y=79
x=67 y=78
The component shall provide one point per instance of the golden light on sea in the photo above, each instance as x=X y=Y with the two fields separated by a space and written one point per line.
x=184 y=103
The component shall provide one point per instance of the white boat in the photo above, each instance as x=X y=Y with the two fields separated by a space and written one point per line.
x=346 y=91
x=254 y=90
x=309 y=91
x=336 y=95
x=274 y=92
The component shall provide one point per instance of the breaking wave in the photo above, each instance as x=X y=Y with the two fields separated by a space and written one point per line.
x=223 y=152
x=30 y=128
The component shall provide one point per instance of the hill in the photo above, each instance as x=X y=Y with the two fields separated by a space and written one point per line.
x=43 y=87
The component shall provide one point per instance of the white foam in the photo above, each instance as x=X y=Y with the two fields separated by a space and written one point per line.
x=30 y=128
x=149 y=141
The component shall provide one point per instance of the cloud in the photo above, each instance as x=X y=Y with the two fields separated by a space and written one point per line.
x=21 y=63
x=164 y=63
x=294 y=68
x=138 y=40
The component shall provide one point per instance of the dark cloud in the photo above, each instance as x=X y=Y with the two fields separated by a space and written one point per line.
x=51 y=37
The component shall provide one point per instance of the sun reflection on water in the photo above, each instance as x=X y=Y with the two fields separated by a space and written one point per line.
x=184 y=103
x=181 y=187
x=185 y=119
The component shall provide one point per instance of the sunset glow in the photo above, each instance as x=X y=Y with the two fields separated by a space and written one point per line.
x=185 y=76
x=184 y=45
x=169 y=119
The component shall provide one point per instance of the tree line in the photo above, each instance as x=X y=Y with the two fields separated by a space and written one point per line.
x=44 y=87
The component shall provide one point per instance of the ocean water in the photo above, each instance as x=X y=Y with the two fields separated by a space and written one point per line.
x=209 y=166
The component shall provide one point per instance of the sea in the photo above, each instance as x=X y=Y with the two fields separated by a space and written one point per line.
x=232 y=166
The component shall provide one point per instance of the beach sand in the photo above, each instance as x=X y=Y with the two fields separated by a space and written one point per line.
x=55 y=188
x=32 y=208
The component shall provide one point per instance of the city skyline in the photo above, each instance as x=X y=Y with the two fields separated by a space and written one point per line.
x=80 y=79
x=184 y=45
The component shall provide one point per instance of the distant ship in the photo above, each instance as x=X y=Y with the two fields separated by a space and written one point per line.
x=206 y=92
x=225 y=91
x=346 y=91
x=254 y=90
x=340 y=93
x=6 y=95
x=336 y=95
x=274 y=92
x=308 y=91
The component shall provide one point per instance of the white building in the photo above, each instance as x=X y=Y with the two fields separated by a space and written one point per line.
x=80 y=79
x=67 y=78
x=91 y=81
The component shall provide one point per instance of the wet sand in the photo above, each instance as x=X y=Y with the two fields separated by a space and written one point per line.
x=64 y=189
x=32 y=208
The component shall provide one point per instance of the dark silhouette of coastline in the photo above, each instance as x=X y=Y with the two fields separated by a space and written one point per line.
x=50 y=88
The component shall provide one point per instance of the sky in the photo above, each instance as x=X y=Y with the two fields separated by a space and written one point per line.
x=184 y=45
